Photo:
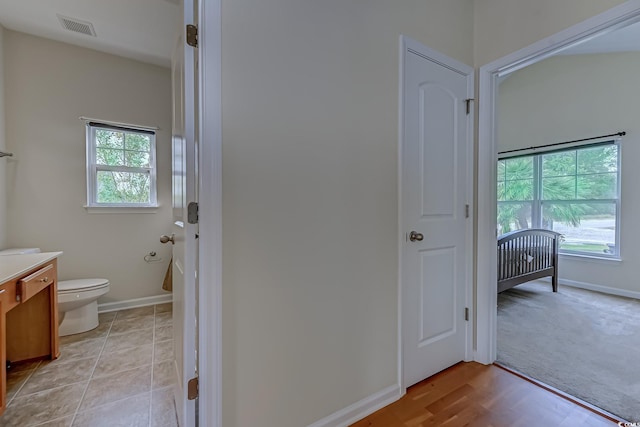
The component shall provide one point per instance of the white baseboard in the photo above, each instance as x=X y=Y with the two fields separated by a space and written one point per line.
x=600 y=288
x=360 y=409
x=593 y=287
x=133 y=303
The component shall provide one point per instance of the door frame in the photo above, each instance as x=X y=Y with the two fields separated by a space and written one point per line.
x=407 y=43
x=486 y=254
x=210 y=213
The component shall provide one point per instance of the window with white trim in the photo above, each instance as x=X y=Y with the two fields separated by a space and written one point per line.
x=574 y=191
x=121 y=166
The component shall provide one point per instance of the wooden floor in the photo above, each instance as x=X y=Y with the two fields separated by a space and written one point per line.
x=475 y=395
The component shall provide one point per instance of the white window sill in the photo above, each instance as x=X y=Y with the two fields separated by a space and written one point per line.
x=122 y=209
x=590 y=258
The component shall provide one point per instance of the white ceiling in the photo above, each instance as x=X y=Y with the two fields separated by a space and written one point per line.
x=145 y=30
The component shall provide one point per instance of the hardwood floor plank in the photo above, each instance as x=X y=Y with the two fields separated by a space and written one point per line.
x=475 y=395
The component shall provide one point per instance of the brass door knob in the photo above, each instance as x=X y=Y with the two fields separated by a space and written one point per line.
x=166 y=239
x=414 y=236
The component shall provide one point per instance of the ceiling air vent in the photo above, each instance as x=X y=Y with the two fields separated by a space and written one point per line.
x=77 y=26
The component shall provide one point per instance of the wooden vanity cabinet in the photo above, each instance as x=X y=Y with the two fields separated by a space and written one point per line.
x=28 y=320
x=7 y=301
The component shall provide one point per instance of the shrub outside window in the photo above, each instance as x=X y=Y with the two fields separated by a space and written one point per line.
x=121 y=166
x=575 y=192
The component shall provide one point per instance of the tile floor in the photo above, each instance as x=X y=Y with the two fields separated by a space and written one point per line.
x=119 y=374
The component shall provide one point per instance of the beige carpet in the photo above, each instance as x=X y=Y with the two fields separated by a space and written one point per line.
x=581 y=342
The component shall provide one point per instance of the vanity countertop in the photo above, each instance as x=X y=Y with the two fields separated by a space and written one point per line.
x=12 y=266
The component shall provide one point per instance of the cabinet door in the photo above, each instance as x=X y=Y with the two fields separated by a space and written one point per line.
x=32 y=325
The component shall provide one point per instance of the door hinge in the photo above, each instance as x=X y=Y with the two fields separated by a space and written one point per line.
x=466 y=314
x=192 y=388
x=192 y=213
x=192 y=36
x=466 y=211
x=468 y=102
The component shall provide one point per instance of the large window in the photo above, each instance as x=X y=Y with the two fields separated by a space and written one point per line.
x=575 y=192
x=120 y=167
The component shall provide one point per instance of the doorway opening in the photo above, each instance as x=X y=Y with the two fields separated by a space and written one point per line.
x=573 y=54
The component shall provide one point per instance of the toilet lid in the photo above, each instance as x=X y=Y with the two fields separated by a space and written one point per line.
x=81 y=284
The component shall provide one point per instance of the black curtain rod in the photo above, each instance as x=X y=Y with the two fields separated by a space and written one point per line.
x=623 y=133
x=123 y=128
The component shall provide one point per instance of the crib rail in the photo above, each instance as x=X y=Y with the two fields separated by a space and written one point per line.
x=525 y=255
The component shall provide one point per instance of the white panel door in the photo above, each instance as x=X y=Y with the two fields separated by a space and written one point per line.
x=185 y=249
x=434 y=181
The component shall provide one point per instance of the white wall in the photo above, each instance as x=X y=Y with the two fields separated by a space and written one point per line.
x=505 y=26
x=3 y=146
x=571 y=97
x=310 y=117
x=49 y=85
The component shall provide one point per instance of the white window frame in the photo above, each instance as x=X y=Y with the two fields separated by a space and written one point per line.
x=93 y=168
x=537 y=203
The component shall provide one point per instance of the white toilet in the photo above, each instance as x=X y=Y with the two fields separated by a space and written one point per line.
x=78 y=304
x=77 y=299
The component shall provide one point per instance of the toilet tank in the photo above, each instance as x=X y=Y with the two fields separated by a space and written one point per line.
x=19 y=251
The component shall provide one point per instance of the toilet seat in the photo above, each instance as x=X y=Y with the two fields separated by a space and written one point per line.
x=81 y=285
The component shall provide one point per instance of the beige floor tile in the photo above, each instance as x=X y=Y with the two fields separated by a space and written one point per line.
x=163 y=374
x=163 y=409
x=47 y=394
x=15 y=380
x=133 y=313
x=123 y=360
x=106 y=317
x=164 y=308
x=131 y=412
x=127 y=340
x=163 y=351
x=58 y=373
x=164 y=319
x=99 y=332
x=103 y=390
x=81 y=349
x=164 y=333
x=42 y=407
x=60 y=422
x=23 y=366
x=127 y=325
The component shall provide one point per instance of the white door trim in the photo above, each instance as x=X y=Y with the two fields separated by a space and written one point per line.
x=486 y=261
x=407 y=43
x=210 y=214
